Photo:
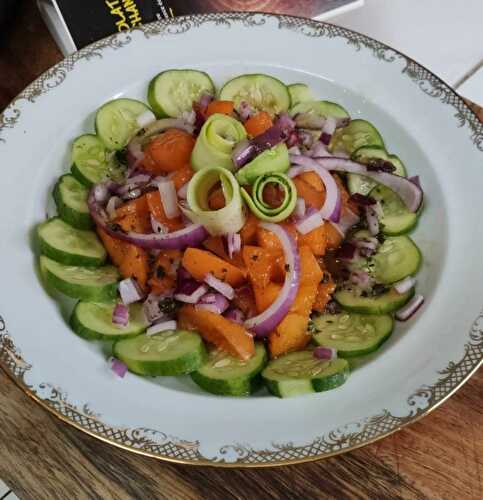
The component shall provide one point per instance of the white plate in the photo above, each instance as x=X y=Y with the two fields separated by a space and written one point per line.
x=426 y=359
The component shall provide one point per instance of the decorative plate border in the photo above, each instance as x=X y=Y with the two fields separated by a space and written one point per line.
x=159 y=445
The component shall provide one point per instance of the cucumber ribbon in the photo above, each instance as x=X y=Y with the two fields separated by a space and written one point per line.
x=262 y=209
x=216 y=141
x=230 y=218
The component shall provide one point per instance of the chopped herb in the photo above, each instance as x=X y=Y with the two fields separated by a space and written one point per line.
x=168 y=305
x=311 y=327
x=121 y=156
x=325 y=277
x=287 y=268
x=160 y=272
x=114 y=227
x=254 y=257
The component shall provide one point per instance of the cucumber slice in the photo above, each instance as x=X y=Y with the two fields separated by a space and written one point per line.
x=300 y=373
x=320 y=108
x=93 y=321
x=262 y=92
x=91 y=161
x=172 y=92
x=116 y=121
x=352 y=334
x=355 y=135
x=63 y=243
x=271 y=161
x=71 y=199
x=299 y=92
x=227 y=375
x=366 y=154
x=381 y=304
x=94 y=284
x=174 y=352
x=395 y=259
x=396 y=219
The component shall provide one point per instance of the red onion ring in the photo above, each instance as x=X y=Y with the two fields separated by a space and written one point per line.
x=191 y=235
x=268 y=320
x=409 y=192
x=331 y=209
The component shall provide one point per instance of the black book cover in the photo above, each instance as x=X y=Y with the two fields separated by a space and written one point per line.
x=90 y=20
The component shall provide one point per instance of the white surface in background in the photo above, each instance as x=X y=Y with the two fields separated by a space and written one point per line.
x=3 y=488
x=473 y=87
x=443 y=35
x=11 y=496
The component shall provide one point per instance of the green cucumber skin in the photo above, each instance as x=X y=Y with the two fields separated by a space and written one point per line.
x=382 y=324
x=318 y=385
x=153 y=102
x=364 y=352
x=89 y=293
x=241 y=386
x=67 y=258
x=332 y=382
x=271 y=161
x=381 y=307
x=407 y=229
x=73 y=217
x=181 y=366
x=76 y=172
x=412 y=271
x=151 y=94
x=107 y=293
x=226 y=91
x=88 y=334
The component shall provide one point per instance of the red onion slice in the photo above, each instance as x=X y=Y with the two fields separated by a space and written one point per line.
x=145 y=119
x=118 y=367
x=268 y=320
x=243 y=152
x=300 y=209
x=113 y=203
x=235 y=315
x=169 y=199
x=347 y=220
x=183 y=191
x=157 y=226
x=404 y=285
x=409 y=192
x=161 y=327
x=327 y=130
x=129 y=291
x=191 y=235
x=245 y=110
x=318 y=149
x=220 y=286
x=120 y=315
x=190 y=292
x=331 y=209
x=325 y=353
x=309 y=223
x=410 y=308
x=234 y=243
x=213 y=302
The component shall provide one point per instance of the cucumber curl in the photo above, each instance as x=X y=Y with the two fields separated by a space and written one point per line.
x=262 y=209
x=216 y=141
x=230 y=218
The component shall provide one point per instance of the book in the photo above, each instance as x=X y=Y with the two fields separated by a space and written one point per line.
x=75 y=24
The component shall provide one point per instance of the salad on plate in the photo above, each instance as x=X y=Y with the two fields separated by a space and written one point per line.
x=251 y=235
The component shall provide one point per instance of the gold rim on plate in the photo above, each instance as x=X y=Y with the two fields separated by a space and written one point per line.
x=158 y=445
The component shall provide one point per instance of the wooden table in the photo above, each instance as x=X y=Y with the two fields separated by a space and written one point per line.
x=440 y=456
